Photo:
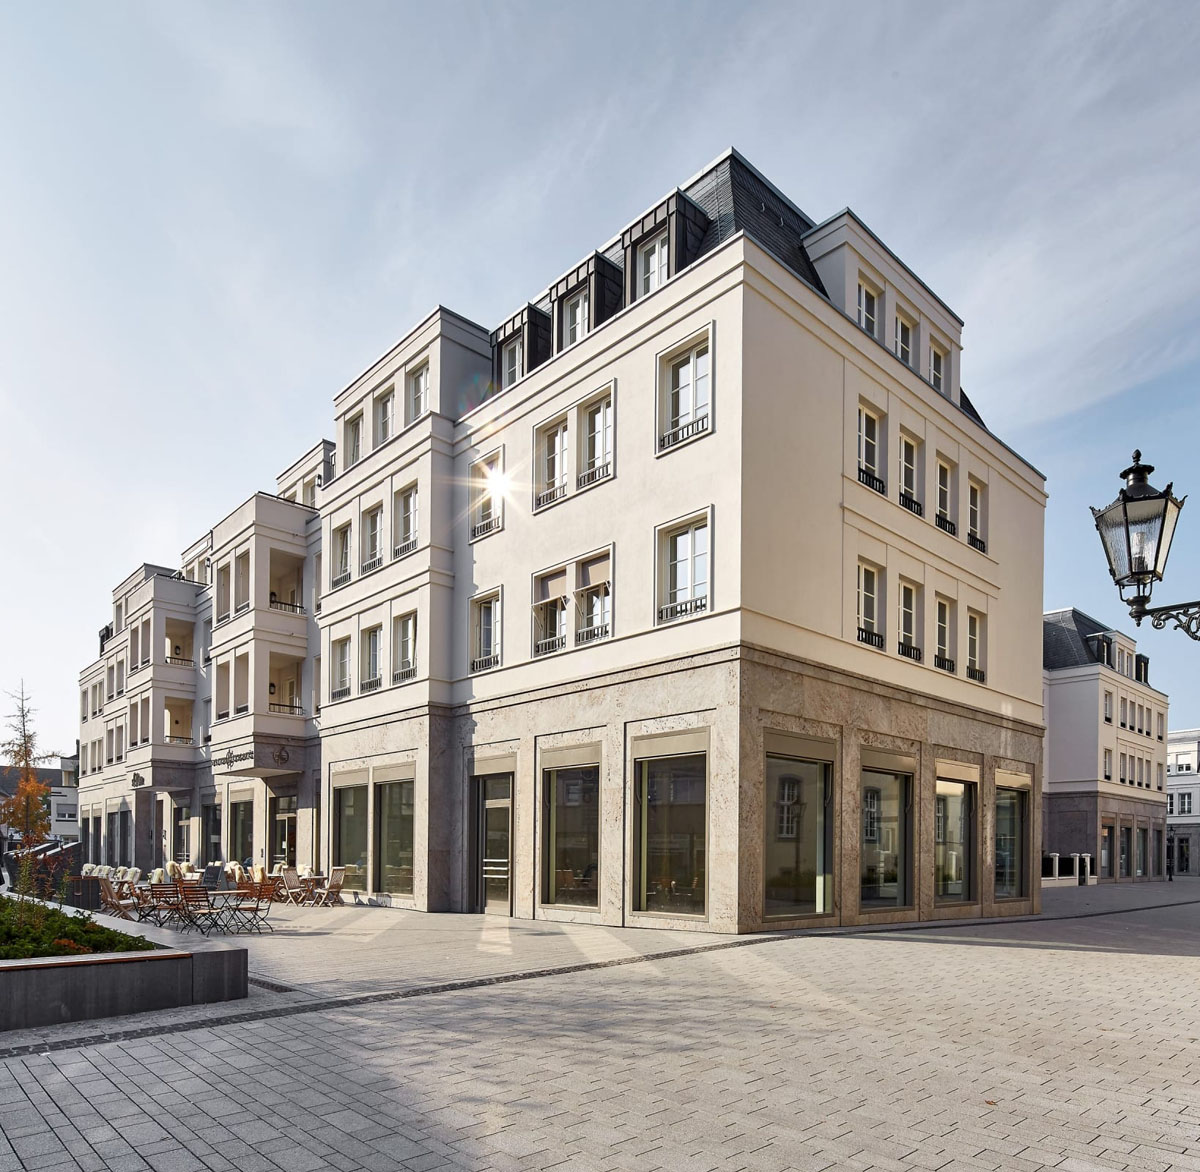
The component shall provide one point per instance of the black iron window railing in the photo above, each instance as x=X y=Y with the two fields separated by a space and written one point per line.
x=867 y=477
x=976 y=674
x=944 y=662
x=287 y=607
x=406 y=671
x=286 y=709
x=485 y=526
x=546 y=646
x=340 y=693
x=912 y=504
x=870 y=638
x=599 y=472
x=679 y=432
x=484 y=662
x=241 y=709
x=945 y=524
x=685 y=606
x=549 y=495
x=405 y=548
x=976 y=542
x=339 y=579
x=371 y=684
x=242 y=607
x=372 y=563
x=910 y=651
x=180 y=661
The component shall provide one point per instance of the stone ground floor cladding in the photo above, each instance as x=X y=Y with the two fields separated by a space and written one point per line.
x=735 y=790
x=1125 y=833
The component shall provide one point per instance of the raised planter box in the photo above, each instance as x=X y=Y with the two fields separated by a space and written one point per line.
x=48 y=990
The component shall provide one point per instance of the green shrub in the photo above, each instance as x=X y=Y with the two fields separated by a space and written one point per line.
x=29 y=928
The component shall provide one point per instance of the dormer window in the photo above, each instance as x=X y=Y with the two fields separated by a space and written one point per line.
x=575 y=318
x=868 y=304
x=514 y=360
x=937 y=368
x=652 y=264
x=904 y=333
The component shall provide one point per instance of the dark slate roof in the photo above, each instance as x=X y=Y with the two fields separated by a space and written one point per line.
x=1066 y=639
x=10 y=775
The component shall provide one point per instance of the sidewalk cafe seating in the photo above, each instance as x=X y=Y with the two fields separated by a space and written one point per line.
x=124 y=907
x=331 y=894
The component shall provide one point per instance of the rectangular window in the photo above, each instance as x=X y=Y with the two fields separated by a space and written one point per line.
x=394 y=837
x=350 y=835
x=486 y=499
x=575 y=318
x=1170 y=803
x=870 y=627
x=1142 y=843
x=310 y=493
x=685 y=582
x=593 y=600
x=571 y=852
x=1010 y=842
x=953 y=840
x=652 y=264
x=512 y=366
x=1159 y=776
x=1159 y=719
x=404 y=647
x=868 y=442
x=945 y=498
x=976 y=647
x=417 y=403
x=241 y=832
x=340 y=684
x=353 y=441
x=909 y=610
x=975 y=521
x=550 y=612
x=798 y=865
x=1124 y=712
x=903 y=341
x=1124 y=775
x=552 y=464
x=909 y=496
x=341 y=557
x=1125 y=838
x=404 y=521
x=1108 y=707
x=867 y=307
x=597 y=441
x=886 y=820
x=685 y=412
x=384 y=416
x=1108 y=764
x=370 y=668
x=485 y=636
x=669 y=835
x=937 y=368
x=372 y=539
x=1185 y=802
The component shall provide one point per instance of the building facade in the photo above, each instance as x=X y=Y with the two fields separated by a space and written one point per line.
x=1106 y=753
x=696 y=594
x=1183 y=800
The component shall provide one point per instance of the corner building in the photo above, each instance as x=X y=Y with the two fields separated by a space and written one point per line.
x=696 y=594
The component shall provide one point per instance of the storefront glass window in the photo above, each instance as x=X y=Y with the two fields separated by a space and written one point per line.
x=798 y=871
x=394 y=836
x=885 y=839
x=670 y=812
x=350 y=835
x=572 y=847
x=241 y=833
x=953 y=839
x=1010 y=843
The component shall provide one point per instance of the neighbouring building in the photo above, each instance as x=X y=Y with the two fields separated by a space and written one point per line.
x=62 y=781
x=1106 y=753
x=695 y=594
x=1183 y=799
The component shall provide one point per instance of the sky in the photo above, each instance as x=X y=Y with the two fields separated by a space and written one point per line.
x=213 y=216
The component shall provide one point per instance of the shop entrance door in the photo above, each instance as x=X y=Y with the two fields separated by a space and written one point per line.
x=495 y=844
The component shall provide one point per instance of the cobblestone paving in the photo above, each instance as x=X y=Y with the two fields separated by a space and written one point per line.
x=1067 y=1044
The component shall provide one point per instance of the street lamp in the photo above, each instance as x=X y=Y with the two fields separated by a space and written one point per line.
x=1136 y=531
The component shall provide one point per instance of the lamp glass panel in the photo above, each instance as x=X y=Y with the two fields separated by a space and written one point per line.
x=1145 y=518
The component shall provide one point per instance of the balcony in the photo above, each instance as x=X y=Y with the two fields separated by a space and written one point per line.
x=910 y=651
x=592 y=633
x=179 y=661
x=681 y=432
x=549 y=495
x=682 y=608
x=481 y=528
x=599 y=472
x=547 y=646
x=976 y=542
x=180 y=741
x=405 y=548
x=340 y=693
x=404 y=673
x=976 y=674
x=371 y=684
x=870 y=638
x=485 y=662
x=286 y=607
x=286 y=709
x=941 y=661
x=912 y=504
x=867 y=477
x=946 y=525
x=371 y=564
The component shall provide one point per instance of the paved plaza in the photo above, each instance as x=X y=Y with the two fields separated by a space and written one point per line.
x=378 y=1039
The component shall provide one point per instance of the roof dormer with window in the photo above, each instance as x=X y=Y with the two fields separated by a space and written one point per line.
x=520 y=345
x=585 y=298
x=660 y=244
